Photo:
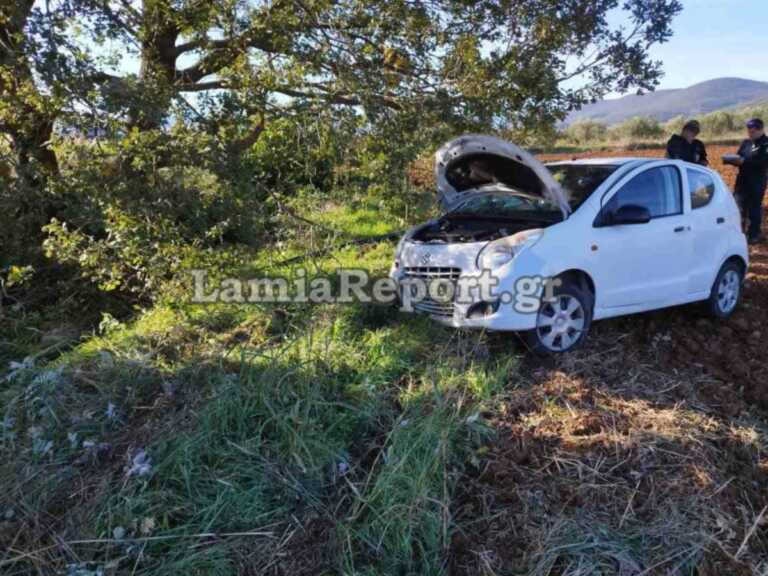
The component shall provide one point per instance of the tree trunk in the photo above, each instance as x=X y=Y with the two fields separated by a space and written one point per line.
x=26 y=121
x=158 y=66
x=35 y=147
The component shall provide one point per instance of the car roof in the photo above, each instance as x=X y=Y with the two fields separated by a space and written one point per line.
x=620 y=161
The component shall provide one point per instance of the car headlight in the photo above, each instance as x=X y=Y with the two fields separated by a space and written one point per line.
x=499 y=252
x=407 y=236
x=400 y=245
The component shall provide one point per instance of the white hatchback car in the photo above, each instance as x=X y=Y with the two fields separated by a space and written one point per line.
x=583 y=240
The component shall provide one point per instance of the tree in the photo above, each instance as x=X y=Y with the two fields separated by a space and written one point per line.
x=523 y=61
x=586 y=131
x=721 y=122
x=516 y=64
x=675 y=125
x=26 y=115
x=638 y=128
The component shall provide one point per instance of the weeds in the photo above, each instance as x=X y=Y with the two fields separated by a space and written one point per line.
x=353 y=439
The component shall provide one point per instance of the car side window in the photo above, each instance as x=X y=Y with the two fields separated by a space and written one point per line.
x=658 y=189
x=702 y=187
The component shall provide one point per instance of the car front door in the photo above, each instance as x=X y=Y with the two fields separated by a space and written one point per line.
x=646 y=264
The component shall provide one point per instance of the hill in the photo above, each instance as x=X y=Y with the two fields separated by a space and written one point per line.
x=662 y=105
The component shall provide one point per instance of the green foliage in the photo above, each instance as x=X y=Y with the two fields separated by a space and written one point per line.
x=675 y=125
x=326 y=99
x=302 y=153
x=585 y=132
x=730 y=123
x=264 y=445
x=639 y=128
x=720 y=123
x=157 y=205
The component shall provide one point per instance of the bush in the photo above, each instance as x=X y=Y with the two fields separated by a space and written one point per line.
x=675 y=125
x=129 y=212
x=585 y=132
x=720 y=123
x=153 y=204
x=639 y=128
x=142 y=212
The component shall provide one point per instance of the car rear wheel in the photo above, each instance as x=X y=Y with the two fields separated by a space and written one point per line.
x=726 y=291
x=562 y=323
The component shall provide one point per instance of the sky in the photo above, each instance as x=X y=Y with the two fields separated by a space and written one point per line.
x=713 y=39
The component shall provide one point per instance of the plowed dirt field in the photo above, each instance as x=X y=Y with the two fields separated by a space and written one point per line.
x=642 y=453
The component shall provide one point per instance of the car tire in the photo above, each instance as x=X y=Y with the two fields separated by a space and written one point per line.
x=726 y=291
x=562 y=325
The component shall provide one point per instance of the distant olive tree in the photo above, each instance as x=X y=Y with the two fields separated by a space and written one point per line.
x=675 y=125
x=720 y=123
x=585 y=132
x=638 y=128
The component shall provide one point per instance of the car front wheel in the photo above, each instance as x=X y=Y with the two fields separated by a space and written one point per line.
x=563 y=322
x=726 y=291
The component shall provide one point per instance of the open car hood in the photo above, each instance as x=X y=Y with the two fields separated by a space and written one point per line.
x=497 y=162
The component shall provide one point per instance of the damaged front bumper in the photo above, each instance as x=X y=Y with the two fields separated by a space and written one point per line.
x=496 y=308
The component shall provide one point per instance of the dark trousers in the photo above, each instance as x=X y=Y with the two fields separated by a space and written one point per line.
x=752 y=209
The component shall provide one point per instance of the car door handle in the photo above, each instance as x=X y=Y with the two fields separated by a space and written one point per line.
x=721 y=220
x=680 y=229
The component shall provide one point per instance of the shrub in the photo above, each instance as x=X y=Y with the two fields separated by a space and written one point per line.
x=586 y=131
x=151 y=204
x=675 y=125
x=720 y=123
x=144 y=211
x=639 y=128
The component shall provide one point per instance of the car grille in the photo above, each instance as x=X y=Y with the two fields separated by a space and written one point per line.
x=428 y=273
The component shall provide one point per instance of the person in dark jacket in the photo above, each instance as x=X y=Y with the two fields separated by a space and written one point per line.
x=685 y=146
x=752 y=180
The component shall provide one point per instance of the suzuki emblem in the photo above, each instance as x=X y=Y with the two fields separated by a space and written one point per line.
x=426 y=258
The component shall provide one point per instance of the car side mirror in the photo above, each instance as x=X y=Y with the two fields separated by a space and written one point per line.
x=627 y=214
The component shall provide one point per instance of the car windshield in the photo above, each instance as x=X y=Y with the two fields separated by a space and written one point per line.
x=578 y=181
x=507 y=205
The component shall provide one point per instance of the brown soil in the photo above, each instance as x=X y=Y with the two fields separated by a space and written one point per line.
x=728 y=351
x=643 y=453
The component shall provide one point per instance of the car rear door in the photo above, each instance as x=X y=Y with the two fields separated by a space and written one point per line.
x=644 y=265
x=709 y=221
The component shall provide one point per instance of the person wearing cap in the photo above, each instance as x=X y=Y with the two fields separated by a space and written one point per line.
x=685 y=146
x=752 y=160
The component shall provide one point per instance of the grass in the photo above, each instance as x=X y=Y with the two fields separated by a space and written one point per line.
x=278 y=437
x=297 y=439
x=325 y=420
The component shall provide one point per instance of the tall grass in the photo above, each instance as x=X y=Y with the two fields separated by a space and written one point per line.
x=350 y=418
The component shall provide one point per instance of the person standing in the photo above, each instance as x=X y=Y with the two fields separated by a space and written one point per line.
x=685 y=146
x=752 y=160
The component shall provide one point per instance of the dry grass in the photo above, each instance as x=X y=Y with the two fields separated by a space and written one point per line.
x=644 y=453
x=611 y=461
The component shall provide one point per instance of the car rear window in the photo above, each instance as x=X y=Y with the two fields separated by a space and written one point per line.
x=702 y=187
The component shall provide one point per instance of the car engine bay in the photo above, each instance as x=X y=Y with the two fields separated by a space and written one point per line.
x=448 y=230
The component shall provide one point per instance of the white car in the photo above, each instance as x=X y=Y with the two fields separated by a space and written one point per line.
x=582 y=240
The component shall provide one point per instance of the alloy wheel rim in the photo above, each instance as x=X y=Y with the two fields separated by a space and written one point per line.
x=728 y=291
x=560 y=322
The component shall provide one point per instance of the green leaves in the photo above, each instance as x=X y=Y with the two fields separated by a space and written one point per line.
x=235 y=102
